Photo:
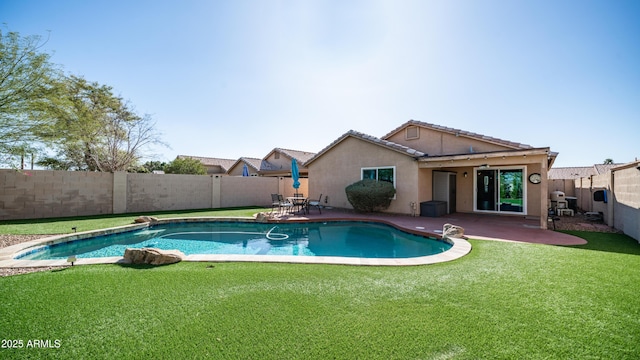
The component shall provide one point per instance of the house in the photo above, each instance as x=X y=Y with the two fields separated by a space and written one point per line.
x=278 y=162
x=462 y=171
x=213 y=165
x=253 y=165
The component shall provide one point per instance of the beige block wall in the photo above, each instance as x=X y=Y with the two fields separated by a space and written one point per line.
x=565 y=185
x=46 y=194
x=247 y=191
x=336 y=169
x=42 y=194
x=157 y=192
x=626 y=208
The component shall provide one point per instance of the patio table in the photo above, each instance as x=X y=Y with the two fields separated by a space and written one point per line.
x=297 y=202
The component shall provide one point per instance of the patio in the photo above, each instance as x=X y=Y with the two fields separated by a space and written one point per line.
x=476 y=226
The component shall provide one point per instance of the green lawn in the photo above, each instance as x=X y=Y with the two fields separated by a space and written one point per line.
x=85 y=223
x=502 y=301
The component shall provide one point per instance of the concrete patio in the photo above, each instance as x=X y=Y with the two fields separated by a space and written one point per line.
x=477 y=226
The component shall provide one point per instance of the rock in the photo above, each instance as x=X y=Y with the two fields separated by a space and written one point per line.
x=264 y=217
x=449 y=230
x=152 y=256
x=146 y=219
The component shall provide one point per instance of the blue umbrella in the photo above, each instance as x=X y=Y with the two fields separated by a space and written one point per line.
x=295 y=174
x=245 y=170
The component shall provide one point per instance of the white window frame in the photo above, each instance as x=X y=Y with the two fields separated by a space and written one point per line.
x=376 y=168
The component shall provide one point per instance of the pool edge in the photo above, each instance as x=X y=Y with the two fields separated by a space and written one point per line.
x=460 y=248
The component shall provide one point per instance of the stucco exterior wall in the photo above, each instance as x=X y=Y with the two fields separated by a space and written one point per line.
x=440 y=143
x=42 y=194
x=336 y=169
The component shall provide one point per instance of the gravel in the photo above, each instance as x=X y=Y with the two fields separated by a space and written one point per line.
x=8 y=240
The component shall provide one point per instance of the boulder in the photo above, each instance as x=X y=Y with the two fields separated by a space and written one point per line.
x=152 y=256
x=264 y=217
x=145 y=219
x=455 y=231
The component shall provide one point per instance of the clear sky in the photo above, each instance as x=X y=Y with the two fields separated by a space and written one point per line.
x=241 y=77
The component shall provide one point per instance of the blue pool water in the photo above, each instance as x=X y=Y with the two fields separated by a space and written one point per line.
x=347 y=239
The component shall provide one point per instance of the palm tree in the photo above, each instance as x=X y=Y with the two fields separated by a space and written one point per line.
x=608 y=161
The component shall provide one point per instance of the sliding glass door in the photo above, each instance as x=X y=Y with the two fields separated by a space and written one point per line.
x=500 y=190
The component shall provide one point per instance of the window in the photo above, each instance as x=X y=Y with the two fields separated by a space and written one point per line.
x=387 y=173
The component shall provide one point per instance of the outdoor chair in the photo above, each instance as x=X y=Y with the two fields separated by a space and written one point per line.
x=275 y=203
x=284 y=204
x=317 y=204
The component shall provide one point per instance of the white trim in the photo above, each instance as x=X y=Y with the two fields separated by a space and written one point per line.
x=506 y=167
x=382 y=167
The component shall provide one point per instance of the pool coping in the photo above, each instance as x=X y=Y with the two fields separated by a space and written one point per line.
x=460 y=247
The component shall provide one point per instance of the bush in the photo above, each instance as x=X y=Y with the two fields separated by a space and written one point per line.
x=370 y=195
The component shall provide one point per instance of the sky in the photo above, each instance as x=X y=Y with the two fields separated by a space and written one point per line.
x=239 y=78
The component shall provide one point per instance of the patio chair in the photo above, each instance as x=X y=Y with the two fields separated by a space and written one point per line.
x=317 y=204
x=284 y=204
x=275 y=203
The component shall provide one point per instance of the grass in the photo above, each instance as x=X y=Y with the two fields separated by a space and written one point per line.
x=502 y=301
x=56 y=226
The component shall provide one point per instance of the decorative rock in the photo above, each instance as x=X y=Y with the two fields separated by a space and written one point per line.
x=145 y=219
x=449 y=230
x=152 y=256
x=264 y=217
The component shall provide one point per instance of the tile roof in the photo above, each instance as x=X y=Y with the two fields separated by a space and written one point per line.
x=300 y=156
x=225 y=164
x=577 y=172
x=371 y=139
x=459 y=132
x=253 y=163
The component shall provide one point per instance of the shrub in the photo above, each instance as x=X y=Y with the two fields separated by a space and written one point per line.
x=369 y=195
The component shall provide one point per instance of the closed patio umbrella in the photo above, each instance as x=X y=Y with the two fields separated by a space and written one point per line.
x=245 y=170
x=295 y=174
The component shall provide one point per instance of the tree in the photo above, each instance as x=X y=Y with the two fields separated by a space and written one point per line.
x=184 y=165
x=95 y=130
x=608 y=161
x=28 y=85
x=150 y=166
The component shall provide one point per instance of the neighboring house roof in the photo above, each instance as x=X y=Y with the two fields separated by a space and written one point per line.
x=225 y=164
x=458 y=132
x=371 y=139
x=577 y=172
x=300 y=156
x=253 y=163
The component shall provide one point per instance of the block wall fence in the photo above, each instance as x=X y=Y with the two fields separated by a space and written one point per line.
x=35 y=194
x=622 y=208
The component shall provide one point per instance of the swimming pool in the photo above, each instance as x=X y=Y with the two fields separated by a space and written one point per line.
x=326 y=239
